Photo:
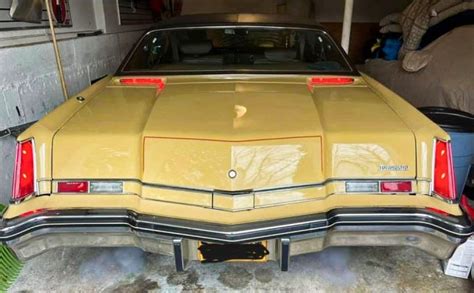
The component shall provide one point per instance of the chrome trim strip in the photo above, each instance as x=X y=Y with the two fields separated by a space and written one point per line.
x=42 y=218
x=254 y=206
x=270 y=231
x=59 y=224
x=248 y=231
x=250 y=238
x=433 y=157
x=262 y=190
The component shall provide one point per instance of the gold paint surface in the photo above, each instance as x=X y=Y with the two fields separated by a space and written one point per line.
x=273 y=131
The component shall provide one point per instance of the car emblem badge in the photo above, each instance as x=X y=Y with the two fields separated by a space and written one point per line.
x=232 y=174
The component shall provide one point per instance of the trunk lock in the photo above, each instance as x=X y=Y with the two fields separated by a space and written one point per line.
x=232 y=174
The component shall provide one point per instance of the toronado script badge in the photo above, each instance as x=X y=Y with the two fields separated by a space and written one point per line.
x=394 y=168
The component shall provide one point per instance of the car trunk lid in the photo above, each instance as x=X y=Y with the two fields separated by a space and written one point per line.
x=273 y=134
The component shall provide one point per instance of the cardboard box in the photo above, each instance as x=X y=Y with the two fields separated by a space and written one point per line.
x=461 y=263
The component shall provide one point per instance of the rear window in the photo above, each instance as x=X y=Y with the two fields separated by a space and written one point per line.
x=254 y=49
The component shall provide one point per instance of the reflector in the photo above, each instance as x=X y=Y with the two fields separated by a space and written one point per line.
x=438 y=211
x=32 y=213
x=24 y=174
x=466 y=206
x=396 y=186
x=362 y=187
x=73 y=187
x=106 y=187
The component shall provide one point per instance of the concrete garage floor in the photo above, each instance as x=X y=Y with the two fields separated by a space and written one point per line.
x=334 y=270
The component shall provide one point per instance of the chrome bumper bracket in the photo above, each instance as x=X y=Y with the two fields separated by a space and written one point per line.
x=178 y=254
x=285 y=254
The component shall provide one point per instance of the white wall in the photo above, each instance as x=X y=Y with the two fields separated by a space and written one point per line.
x=28 y=74
x=87 y=15
x=107 y=17
x=83 y=19
x=364 y=10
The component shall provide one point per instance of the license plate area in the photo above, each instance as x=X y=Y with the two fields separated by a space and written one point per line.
x=215 y=253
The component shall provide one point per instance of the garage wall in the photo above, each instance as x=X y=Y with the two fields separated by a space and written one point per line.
x=364 y=10
x=330 y=13
x=29 y=84
x=324 y=10
x=229 y=6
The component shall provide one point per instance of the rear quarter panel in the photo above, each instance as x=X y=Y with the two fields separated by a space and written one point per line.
x=44 y=130
x=424 y=129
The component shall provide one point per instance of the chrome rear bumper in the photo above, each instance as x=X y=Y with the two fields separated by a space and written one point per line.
x=433 y=233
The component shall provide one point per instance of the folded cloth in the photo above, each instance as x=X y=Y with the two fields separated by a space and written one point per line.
x=390 y=19
x=451 y=11
x=415 y=21
x=391 y=28
x=443 y=5
x=447 y=25
x=415 y=61
x=422 y=14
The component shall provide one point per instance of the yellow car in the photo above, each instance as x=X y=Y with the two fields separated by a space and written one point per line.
x=235 y=137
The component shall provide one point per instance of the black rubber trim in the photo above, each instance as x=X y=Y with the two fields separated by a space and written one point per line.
x=450 y=119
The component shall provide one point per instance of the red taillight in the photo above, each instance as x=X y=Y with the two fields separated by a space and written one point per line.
x=438 y=211
x=159 y=83
x=466 y=206
x=444 y=180
x=329 y=80
x=24 y=174
x=396 y=186
x=73 y=187
x=32 y=213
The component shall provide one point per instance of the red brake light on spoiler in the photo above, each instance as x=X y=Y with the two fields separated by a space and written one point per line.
x=329 y=81
x=332 y=80
x=158 y=82
x=24 y=174
x=444 y=182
